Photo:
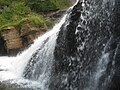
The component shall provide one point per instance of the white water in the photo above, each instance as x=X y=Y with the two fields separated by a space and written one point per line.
x=11 y=68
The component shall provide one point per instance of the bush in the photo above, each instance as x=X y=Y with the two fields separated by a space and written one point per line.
x=47 y=5
x=8 y=2
x=14 y=12
x=39 y=6
x=17 y=13
x=35 y=19
x=61 y=4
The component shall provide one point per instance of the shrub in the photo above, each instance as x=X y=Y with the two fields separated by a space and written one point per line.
x=38 y=5
x=61 y=4
x=16 y=13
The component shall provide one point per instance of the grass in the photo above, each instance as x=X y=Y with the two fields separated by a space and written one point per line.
x=17 y=13
x=61 y=4
x=36 y=20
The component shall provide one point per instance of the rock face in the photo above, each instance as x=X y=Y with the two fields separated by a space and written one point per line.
x=29 y=33
x=13 y=41
x=87 y=51
x=56 y=14
x=72 y=2
x=2 y=47
x=30 y=36
x=25 y=28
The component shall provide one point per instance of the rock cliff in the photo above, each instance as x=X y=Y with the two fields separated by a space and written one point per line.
x=14 y=41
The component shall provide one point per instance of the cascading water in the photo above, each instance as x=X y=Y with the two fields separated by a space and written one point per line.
x=85 y=54
x=12 y=69
x=81 y=52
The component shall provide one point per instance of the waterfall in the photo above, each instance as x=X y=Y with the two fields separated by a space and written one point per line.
x=80 y=53
x=32 y=67
x=85 y=54
x=100 y=70
x=12 y=68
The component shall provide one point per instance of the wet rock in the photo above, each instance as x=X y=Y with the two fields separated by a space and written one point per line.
x=7 y=86
x=81 y=44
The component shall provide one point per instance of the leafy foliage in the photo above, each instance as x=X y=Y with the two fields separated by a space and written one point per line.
x=14 y=12
x=38 y=5
x=46 y=5
x=61 y=3
x=17 y=13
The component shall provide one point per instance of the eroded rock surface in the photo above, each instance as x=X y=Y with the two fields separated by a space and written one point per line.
x=13 y=41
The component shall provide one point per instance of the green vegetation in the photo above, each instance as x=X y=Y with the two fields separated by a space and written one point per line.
x=38 y=5
x=46 y=5
x=17 y=13
x=61 y=4
x=14 y=12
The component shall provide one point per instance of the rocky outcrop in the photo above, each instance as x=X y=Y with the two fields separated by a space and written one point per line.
x=13 y=41
x=25 y=27
x=72 y=2
x=55 y=15
x=31 y=35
